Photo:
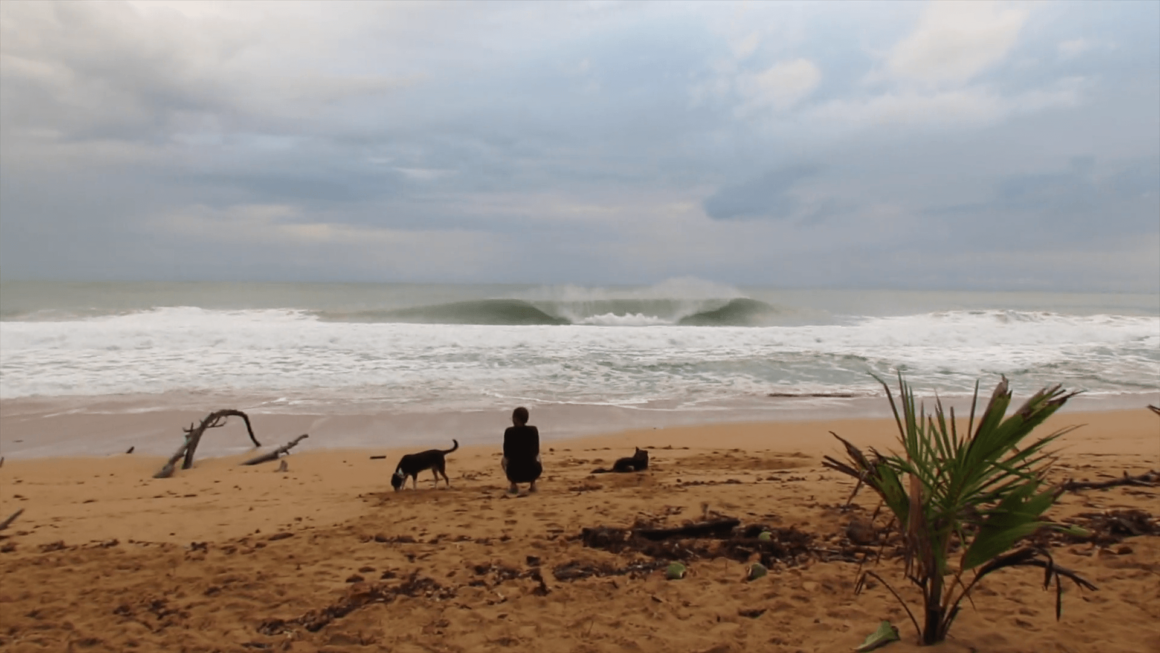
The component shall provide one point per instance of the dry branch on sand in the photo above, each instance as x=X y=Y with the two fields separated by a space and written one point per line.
x=720 y=528
x=724 y=538
x=193 y=438
x=11 y=518
x=273 y=455
x=1147 y=479
x=358 y=596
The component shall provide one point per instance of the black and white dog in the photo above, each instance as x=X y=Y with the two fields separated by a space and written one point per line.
x=413 y=463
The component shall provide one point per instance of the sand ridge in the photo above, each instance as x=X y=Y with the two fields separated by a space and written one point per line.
x=230 y=558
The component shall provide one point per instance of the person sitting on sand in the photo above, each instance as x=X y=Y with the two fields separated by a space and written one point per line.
x=521 y=452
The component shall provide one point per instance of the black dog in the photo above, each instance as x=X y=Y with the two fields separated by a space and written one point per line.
x=413 y=463
x=637 y=462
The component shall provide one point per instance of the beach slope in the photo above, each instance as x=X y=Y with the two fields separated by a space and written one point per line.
x=324 y=556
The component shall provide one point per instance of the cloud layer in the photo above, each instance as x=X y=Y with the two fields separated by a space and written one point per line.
x=948 y=145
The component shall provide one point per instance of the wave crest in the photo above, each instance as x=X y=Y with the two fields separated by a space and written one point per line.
x=737 y=312
x=484 y=312
x=602 y=312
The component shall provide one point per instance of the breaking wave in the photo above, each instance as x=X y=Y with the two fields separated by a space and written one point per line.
x=513 y=312
x=601 y=312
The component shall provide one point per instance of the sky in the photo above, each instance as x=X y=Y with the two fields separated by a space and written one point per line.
x=984 y=146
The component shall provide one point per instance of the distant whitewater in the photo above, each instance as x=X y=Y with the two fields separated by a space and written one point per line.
x=680 y=345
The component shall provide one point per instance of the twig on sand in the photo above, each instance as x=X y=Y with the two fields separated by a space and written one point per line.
x=11 y=518
x=1147 y=479
x=718 y=528
x=193 y=438
x=273 y=455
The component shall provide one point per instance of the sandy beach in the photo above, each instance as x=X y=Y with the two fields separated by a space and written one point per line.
x=325 y=557
x=722 y=233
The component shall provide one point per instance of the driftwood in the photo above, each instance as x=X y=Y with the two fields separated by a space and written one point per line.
x=719 y=528
x=1154 y=409
x=273 y=455
x=11 y=518
x=193 y=438
x=709 y=540
x=1106 y=528
x=1147 y=479
x=357 y=597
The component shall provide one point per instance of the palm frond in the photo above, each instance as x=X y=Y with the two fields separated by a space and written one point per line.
x=981 y=487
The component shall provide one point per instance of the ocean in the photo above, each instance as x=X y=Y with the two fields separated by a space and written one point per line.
x=681 y=351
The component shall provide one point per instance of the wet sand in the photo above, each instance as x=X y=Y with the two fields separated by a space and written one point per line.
x=324 y=556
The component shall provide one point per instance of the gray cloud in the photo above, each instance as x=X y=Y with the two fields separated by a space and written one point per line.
x=1083 y=205
x=577 y=143
x=767 y=196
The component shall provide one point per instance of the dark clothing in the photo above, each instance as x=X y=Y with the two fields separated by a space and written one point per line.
x=521 y=442
x=521 y=448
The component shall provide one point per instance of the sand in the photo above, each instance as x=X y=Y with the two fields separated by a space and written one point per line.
x=324 y=556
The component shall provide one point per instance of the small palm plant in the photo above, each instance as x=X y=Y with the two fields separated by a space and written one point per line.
x=975 y=494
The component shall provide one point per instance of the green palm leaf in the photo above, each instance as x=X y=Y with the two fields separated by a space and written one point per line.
x=980 y=487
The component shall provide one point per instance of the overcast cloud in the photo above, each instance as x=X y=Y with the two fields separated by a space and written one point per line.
x=948 y=145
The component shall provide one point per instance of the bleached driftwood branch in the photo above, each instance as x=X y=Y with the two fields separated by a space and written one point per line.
x=273 y=455
x=193 y=438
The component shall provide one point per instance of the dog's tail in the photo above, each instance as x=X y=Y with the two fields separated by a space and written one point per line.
x=600 y=470
x=456 y=443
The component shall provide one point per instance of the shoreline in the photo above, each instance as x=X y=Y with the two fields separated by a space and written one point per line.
x=152 y=425
x=1106 y=435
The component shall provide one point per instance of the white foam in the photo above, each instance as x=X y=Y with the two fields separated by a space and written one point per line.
x=634 y=319
x=294 y=359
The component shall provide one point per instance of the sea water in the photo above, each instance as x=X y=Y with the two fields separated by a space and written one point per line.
x=686 y=349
